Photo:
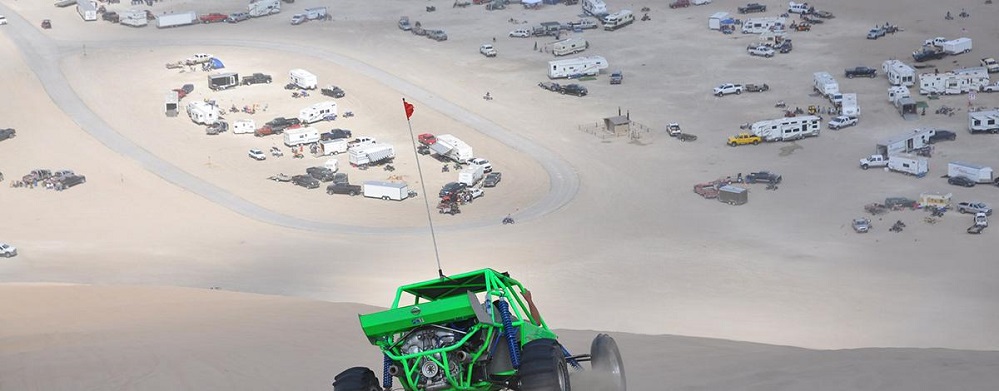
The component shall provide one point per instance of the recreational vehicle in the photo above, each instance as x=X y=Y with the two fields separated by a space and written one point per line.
x=569 y=46
x=762 y=25
x=202 y=112
x=579 y=66
x=259 y=8
x=243 y=126
x=303 y=79
x=223 y=81
x=595 y=7
x=905 y=143
x=899 y=73
x=788 y=128
x=618 y=19
x=827 y=86
x=299 y=136
x=134 y=18
x=983 y=121
x=318 y=112
x=87 y=9
x=849 y=106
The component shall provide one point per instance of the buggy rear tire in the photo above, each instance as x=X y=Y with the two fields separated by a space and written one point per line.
x=605 y=358
x=543 y=367
x=356 y=379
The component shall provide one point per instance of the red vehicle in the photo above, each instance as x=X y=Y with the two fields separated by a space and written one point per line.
x=426 y=139
x=680 y=4
x=213 y=18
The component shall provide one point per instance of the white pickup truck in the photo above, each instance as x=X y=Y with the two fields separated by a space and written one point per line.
x=873 y=161
x=487 y=50
x=989 y=87
x=728 y=88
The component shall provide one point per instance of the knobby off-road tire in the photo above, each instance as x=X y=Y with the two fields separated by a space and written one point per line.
x=543 y=367
x=605 y=359
x=356 y=379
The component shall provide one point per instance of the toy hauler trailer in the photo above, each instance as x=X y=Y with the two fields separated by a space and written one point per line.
x=899 y=73
x=176 y=19
x=303 y=79
x=575 y=67
x=450 y=147
x=318 y=112
x=397 y=191
x=905 y=143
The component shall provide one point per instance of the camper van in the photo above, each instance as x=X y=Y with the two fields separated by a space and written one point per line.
x=569 y=46
x=202 y=113
x=899 y=73
x=318 y=112
x=983 y=121
x=762 y=25
x=223 y=81
x=579 y=66
x=788 y=128
x=595 y=7
x=303 y=79
x=299 y=136
x=618 y=19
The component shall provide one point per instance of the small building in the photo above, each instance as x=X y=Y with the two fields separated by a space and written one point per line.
x=618 y=125
x=905 y=143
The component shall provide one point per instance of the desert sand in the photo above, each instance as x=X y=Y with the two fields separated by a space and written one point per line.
x=609 y=235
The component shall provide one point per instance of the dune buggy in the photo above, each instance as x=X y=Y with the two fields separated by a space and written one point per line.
x=477 y=331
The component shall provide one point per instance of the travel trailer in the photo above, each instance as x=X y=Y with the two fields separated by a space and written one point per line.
x=258 y=8
x=299 y=136
x=579 y=66
x=788 y=128
x=87 y=9
x=905 y=143
x=849 y=106
x=983 y=121
x=762 y=25
x=243 y=126
x=959 y=81
x=827 y=86
x=202 y=112
x=303 y=79
x=318 y=112
x=899 y=73
x=569 y=46
x=900 y=98
x=618 y=19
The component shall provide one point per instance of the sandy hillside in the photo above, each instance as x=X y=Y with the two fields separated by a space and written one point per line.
x=633 y=246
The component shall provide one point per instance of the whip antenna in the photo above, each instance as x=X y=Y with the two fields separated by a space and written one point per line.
x=408 y=107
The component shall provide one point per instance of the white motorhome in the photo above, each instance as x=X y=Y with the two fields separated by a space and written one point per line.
x=202 y=112
x=318 y=112
x=569 y=46
x=303 y=79
x=905 y=143
x=259 y=8
x=899 y=73
x=451 y=147
x=594 y=7
x=797 y=8
x=618 y=19
x=333 y=147
x=762 y=25
x=849 y=106
x=579 y=66
x=370 y=154
x=788 y=128
x=396 y=191
x=827 y=86
x=909 y=164
x=244 y=126
x=983 y=121
x=471 y=175
x=975 y=172
x=134 y=18
x=299 y=136
x=87 y=9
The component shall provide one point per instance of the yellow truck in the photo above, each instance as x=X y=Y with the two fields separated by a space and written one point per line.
x=744 y=139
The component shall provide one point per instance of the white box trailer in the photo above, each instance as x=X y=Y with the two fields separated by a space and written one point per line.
x=303 y=79
x=397 y=191
x=450 y=147
x=899 y=73
x=909 y=164
x=849 y=107
x=87 y=9
x=788 y=128
x=715 y=20
x=333 y=147
x=318 y=112
x=983 y=121
x=569 y=46
x=370 y=154
x=471 y=175
x=134 y=18
x=575 y=67
x=957 y=46
x=595 y=7
x=975 y=172
x=258 y=8
x=762 y=25
x=905 y=143
x=299 y=136
x=202 y=112
x=244 y=126
x=176 y=19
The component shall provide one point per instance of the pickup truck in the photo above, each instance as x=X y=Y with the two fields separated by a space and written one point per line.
x=927 y=55
x=762 y=51
x=574 y=89
x=199 y=58
x=343 y=188
x=861 y=71
x=7 y=133
x=763 y=177
x=213 y=18
x=876 y=32
x=617 y=77
x=841 y=122
x=873 y=161
x=487 y=50
x=728 y=88
x=333 y=91
x=974 y=207
x=990 y=64
x=989 y=87
x=256 y=78
x=752 y=7
x=744 y=139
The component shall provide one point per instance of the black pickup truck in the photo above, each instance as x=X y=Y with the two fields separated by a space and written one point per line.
x=928 y=54
x=752 y=7
x=257 y=78
x=861 y=71
x=343 y=188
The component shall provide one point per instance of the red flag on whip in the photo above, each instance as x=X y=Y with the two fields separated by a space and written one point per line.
x=408 y=107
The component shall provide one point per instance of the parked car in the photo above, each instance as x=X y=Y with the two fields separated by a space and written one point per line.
x=452 y=189
x=616 y=77
x=306 y=181
x=761 y=50
x=941 y=135
x=492 y=179
x=73 y=180
x=257 y=154
x=486 y=166
x=337 y=133
x=574 y=89
x=343 y=188
x=333 y=91
x=961 y=181
x=763 y=177
x=340 y=177
x=876 y=32
x=752 y=7
x=7 y=250
x=841 y=122
x=237 y=17
x=476 y=192
x=213 y=17
x=7 y=133
x=521 y=33
x=257 y=78
x=321 y=173
x=111 y=16
x=861 y=225
x=974 y=207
